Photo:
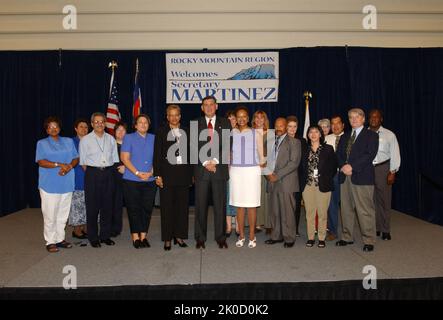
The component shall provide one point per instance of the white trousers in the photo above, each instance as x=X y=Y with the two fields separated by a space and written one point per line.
x=55 y=209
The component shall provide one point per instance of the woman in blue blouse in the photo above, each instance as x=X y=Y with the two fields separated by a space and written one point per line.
x=56 y=156
x=139 y=186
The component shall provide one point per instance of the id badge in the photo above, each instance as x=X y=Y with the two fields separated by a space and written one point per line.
x=315 y=173
x=103 y=160
x=179 y=160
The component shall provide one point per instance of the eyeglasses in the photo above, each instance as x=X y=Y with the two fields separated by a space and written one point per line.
x=98 y=122
x=53 y=127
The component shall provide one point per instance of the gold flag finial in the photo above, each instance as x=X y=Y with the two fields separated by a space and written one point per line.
x=113 y=64
x=307 y=95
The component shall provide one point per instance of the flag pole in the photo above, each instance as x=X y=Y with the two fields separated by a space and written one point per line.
x=113 y=64
x=136 y=70
x=307 y=95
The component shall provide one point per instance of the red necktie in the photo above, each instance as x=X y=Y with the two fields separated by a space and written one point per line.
x=210 y=129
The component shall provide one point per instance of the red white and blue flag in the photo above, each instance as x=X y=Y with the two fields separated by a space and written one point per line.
x=112 y=113
x=137 y=105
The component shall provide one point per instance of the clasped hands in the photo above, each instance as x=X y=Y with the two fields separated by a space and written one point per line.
x=64 y=169
x=211 y=166
x=145 y=175
x=272 y=177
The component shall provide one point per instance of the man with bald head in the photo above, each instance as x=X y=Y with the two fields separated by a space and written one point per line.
x=282 y=184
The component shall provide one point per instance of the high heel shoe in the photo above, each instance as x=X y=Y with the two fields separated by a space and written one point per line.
x=240 y=243
x=145 y=243
x=167 y=247
x=137 y=244
x=182 y=244
x=252 y=243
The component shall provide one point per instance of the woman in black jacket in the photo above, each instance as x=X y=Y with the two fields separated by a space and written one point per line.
x=319 y=164
x=174 y=177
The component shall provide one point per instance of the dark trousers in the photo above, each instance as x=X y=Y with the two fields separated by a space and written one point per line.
x=174 y=210
x=382 y=198
x=139 y=199
x=117 y=210
x=99 y=190
x=218 y=188
x=298 y=196
x=334 y=206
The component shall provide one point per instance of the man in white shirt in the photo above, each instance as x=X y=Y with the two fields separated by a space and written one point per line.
x=386 y=163
x=333 y=139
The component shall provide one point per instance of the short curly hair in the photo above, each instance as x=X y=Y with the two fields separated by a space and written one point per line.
x=50 y=119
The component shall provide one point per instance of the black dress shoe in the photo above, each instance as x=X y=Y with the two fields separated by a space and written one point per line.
x=386 y=236
x=228 y=234
x=343 y=243
x=95 y=244
x=181 y=244
x=137 y=244
x=288 y=244
x=270 y=241
x=167 y=247
x=145 y=243
x=368 y=247
x=200 y=245
x=82 y=236
x=222 y=244
x=378 y=233
x=108 y=242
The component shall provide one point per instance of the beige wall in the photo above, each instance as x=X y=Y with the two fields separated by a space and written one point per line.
x=221 y=24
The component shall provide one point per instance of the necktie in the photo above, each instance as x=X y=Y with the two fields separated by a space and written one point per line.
x=277 y=140
x=210 y=129
x=349 y=145
x=337 y=140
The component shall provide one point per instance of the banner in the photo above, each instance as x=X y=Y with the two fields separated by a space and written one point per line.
x=230 y=77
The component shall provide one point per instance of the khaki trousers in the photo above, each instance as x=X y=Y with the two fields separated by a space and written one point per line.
x=316 y=202
x=357 y=199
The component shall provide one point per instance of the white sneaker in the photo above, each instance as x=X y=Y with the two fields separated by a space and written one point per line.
x=240 y=242
x=252 y=243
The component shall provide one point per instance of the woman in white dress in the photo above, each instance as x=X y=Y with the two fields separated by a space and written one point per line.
x=245 y=175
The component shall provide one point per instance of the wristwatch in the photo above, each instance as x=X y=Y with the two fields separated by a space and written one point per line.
x=56 y=164
x=136 y=173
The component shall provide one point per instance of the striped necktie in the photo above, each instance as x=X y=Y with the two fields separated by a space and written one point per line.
x=349 y=144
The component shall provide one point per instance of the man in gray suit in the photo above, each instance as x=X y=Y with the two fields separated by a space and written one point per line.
x=282 y=184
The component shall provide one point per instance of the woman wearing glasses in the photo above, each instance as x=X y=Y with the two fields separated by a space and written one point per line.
x=56 y=156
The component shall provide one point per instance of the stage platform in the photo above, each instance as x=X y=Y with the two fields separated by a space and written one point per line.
x=408 y=266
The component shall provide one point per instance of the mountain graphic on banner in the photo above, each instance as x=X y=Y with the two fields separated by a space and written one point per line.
x=261 y=71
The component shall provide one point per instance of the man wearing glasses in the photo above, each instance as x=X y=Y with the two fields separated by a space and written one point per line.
x=98 y=153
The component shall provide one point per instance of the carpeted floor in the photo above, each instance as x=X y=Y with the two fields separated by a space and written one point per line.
x=414 y=252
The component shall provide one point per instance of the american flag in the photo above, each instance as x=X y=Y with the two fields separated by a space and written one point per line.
x=112 y=113
x=136 y=107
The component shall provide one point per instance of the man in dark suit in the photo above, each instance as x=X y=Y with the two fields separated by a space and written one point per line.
x=211 y=172
x=356 y=151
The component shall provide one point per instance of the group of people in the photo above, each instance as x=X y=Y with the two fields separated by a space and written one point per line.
x=244 y=166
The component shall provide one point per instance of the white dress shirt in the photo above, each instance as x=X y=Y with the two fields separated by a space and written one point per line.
x=330 y=139
x=388 y=149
